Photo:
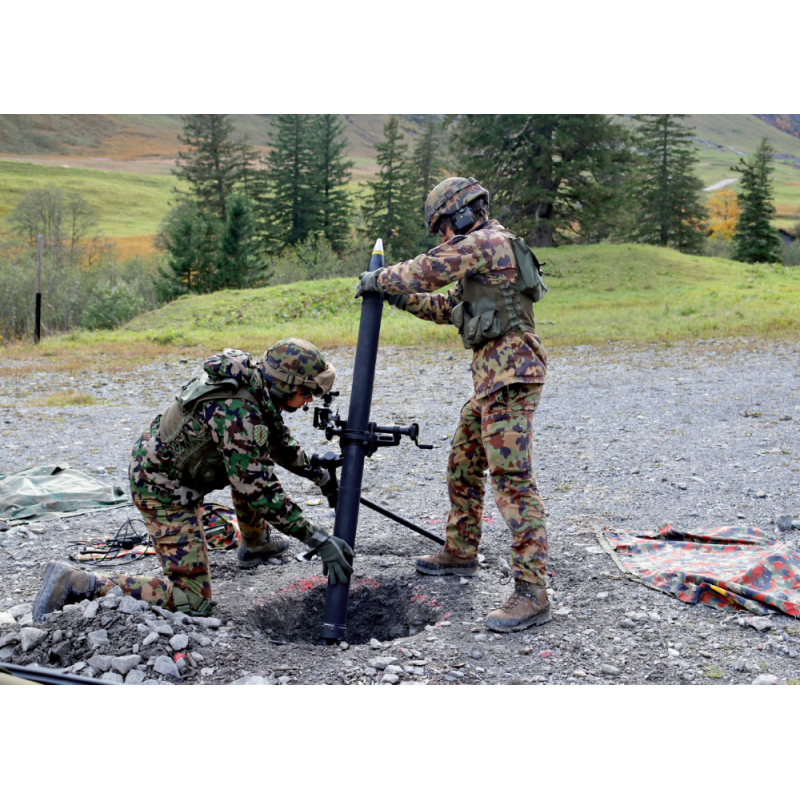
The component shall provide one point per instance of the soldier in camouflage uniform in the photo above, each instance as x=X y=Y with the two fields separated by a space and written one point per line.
x=491 y=306
x=225 y=428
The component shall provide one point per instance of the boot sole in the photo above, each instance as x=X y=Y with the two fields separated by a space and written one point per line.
x=48 y=582
x=426 y=569
x=538 y=619
x=256 y=560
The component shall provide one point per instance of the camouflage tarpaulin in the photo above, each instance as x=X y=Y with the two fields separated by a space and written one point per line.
x=730 y=567
x=41 y=493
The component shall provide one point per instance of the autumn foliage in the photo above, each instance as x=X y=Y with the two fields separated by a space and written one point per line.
x=723 y=213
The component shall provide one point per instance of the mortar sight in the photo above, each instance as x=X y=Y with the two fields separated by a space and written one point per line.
x=322 y=414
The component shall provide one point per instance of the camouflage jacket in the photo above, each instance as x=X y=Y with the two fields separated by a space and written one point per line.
x=486 y=256
x=236 y=426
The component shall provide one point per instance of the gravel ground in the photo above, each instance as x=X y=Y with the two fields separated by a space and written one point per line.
x=696 y=434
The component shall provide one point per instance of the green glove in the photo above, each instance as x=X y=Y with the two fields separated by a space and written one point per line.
x=368 y=282
x=334 y=553
x=396 y=300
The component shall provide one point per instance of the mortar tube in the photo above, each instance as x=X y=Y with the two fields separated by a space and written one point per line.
x=334 y=618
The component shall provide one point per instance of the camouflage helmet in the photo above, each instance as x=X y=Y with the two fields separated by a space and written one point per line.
x=292 y=363
x=450 y=195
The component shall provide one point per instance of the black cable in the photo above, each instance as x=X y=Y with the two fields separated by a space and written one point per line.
x=110 y=547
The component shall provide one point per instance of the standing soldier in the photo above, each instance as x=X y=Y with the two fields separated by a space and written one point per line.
x=225 y=428
x=497 y=280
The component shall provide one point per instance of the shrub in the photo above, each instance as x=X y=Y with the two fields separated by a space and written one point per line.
x=314 y=259
x=168 y=337
x=790 y=254
x=112 y=306
x=717 y=246
x=103 y=294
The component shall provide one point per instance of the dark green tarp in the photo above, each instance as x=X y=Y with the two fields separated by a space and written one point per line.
x=41 y=493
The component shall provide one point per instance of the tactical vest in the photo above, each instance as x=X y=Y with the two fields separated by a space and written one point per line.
x=490 y=311
x=198 y=461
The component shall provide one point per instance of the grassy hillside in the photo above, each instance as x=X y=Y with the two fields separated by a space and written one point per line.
x=598 y=293
x=113 y=135
x=743 y=132
x=128 y=204
x=784 y=122
x=122 y=162
x=726 y=136
x=149 y=142
x=144 y=135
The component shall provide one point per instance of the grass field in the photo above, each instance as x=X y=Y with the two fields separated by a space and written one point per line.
x=599 y=294
x=742 y=131
x=129 y=204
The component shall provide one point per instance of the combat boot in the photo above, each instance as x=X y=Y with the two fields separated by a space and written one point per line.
x=444 y=563
x=61 y=586
x=253 y=552
x=527 y=606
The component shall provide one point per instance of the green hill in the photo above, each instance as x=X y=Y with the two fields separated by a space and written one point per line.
x=129 y=204
x=723 y=139
x=722 y=135
x=598 y=294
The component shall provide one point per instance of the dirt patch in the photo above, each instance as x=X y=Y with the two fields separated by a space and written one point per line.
x=387 y=610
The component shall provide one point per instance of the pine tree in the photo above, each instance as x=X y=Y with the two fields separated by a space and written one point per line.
x=392 y=210
x=247 y=158
x=190 y=238
x=238 y=255
x=671 y=213
x=331 y=173
x=427 y=158
x=548 y=174
x=286 y=204
x=427 y=163
x=212 y=164
x=755 y=240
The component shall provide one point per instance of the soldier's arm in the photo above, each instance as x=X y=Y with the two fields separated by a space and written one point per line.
x=250 y=471
x=436 y=308
x=284 y=449
x=459 y=258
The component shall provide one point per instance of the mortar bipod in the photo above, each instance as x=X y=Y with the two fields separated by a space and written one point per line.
x=330 y=461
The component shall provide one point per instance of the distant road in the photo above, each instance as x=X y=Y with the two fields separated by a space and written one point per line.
x=720 y=185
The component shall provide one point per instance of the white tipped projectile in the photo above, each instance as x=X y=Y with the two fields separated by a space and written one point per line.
x=378 y=247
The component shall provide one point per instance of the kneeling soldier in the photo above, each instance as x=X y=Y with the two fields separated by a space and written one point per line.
x=225 y=428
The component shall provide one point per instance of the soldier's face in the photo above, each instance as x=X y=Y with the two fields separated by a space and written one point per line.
x=446 y=232
x=297 y=400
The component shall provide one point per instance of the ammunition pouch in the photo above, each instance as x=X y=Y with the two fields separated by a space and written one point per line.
x=191 y=604
x=476 y=327
x=529 y=270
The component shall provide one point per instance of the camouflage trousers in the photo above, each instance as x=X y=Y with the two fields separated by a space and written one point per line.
x=496 y=433
x=180 y=544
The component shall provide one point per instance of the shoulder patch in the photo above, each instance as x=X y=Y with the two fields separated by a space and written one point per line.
x=261 y=434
